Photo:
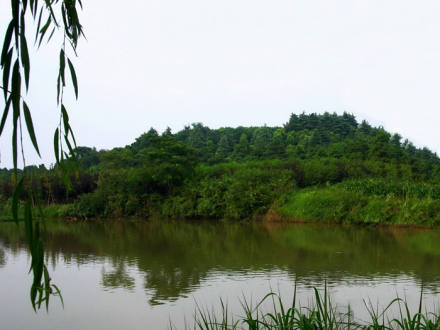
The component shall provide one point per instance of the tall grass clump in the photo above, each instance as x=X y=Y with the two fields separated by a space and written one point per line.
x=386 y=186
x=374 y=201
x=323 y=204
x=320 y=314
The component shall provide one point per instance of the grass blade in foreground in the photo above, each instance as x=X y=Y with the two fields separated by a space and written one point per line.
x=320 y=315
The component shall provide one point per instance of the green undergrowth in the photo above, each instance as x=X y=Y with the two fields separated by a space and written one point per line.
x=342 y=204
x=320 y=314
x=270 y=191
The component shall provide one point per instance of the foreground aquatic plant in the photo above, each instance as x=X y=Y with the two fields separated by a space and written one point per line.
x=321 y=314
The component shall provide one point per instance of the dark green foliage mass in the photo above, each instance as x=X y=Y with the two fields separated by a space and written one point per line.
x=246 y=172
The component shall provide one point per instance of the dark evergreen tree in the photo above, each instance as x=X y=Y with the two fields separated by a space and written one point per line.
x=380 y=146
x=196 y=138
x=153 y=131
x=141 y=142
x=242 y=148
x=293 y=124
x=350 y=119
x=224 y=147
x=261 y=140
x=277 y=148
x=311 y=121
x=365 y=128
x=167 y=132
x=395 y=140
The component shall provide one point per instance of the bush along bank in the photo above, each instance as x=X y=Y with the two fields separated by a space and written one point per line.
x=329 y=191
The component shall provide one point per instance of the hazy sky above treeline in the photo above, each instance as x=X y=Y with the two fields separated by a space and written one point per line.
x=238 y=63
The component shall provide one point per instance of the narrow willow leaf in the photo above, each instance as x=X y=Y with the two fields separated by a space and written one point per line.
x=71 y=154
x=62 y=66
x=16 y=86
x=74 y=80
x=5 y=114
x=70 y=164
x=74 y=23
x=65 y=119
x=52 y=14
x=6 y=71
x=67 y=183
x=24 y=55
x=16 y=200
x=37 y=267
x=34 y=5
x=56 y=145
x=73 y=136
x=30 y=127
x=22 y=23
x=69 y=146
x=58 y=292
x=37 y=32
x=38 y=252
x=24 y=2
x=47 y=288
x=14 y=147
x=28 y=226
x=61 y=79
x=16 y=18
x=44 y=30
x=51 y=34
x=7 y=42
x=67 y=25
x=58 y=90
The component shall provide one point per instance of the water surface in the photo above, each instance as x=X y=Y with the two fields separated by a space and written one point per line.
x=142 y=275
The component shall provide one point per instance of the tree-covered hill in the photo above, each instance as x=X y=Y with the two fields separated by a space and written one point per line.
x=304 y=136
x=238 y=173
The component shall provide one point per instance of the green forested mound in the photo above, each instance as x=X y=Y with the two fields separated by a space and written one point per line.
x=353 y=173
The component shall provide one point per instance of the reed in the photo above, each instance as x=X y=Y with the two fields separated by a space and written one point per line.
x=320 y=314
x=387 y=186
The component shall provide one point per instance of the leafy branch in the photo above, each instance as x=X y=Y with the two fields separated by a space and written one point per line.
x=16 y=66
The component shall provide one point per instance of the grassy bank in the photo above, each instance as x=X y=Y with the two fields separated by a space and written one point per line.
x=320 y=313
x=271 y=191
x=334 y=204
x=366 y=202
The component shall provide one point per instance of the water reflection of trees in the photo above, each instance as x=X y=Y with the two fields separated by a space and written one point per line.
x=2 y=258
x=167 y=283
x=119 y=275
x=174 y=258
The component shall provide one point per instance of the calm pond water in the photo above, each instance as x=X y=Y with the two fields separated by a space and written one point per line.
x=144 y=275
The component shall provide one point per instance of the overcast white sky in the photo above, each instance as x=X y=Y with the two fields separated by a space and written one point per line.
x=239 y=62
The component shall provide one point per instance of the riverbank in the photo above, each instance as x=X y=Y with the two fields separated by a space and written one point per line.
x=364 y=202
x=338 y=204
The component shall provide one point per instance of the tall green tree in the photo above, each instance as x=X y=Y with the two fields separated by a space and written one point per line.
x=277 y=148
x=380 y=147
x=241 y=149
x=261 y=140
x=224 y=147
x=171 y=161
x=196 y=138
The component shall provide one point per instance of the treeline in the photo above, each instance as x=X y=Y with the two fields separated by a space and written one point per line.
x=234 y=173
x=302 y=137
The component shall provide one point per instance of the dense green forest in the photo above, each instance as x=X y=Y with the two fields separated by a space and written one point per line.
x=317 y=167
